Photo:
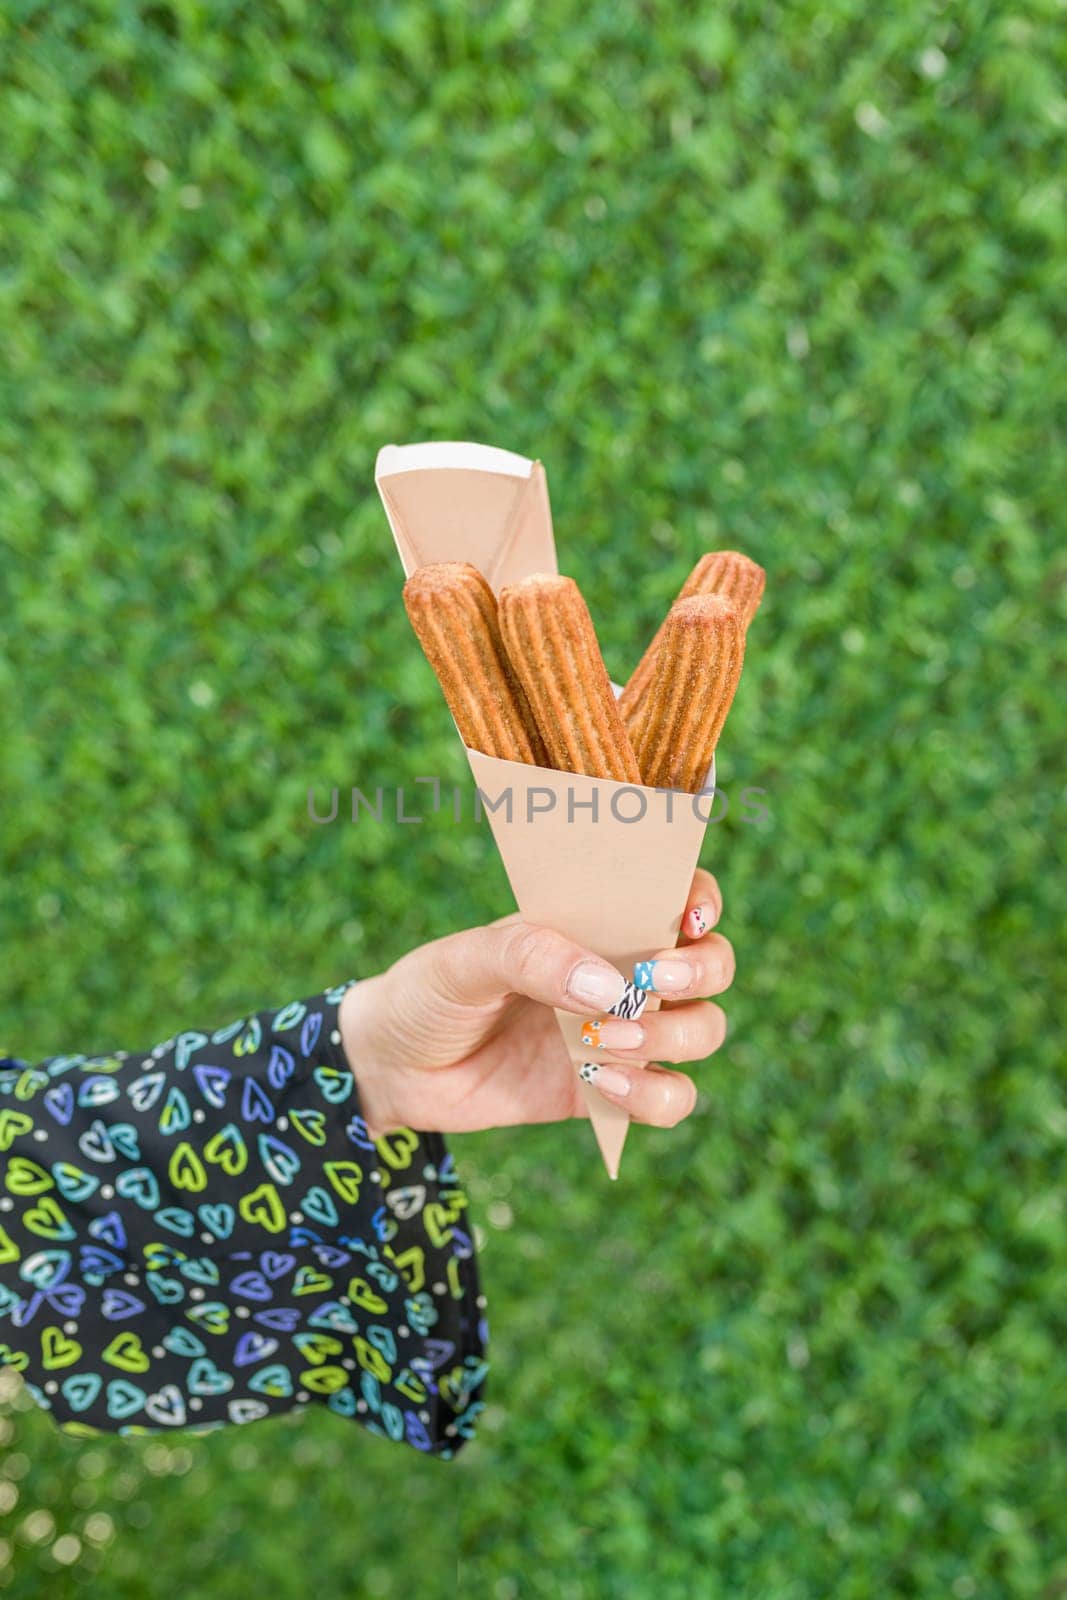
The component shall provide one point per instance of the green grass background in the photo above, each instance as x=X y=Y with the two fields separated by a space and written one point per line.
x=785 y=278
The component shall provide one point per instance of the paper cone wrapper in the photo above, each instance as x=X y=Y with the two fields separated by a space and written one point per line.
x=467 y=502
x=609 y=865
x=601 y=863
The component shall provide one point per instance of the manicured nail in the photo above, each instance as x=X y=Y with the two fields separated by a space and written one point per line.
x=596 y=984
x=695 y=922
x=612 y=1033
x=602 y=1077
x=663 y=977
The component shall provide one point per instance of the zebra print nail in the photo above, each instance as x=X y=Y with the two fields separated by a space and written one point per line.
x=633 y=999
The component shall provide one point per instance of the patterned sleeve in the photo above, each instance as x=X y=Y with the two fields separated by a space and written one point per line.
x=204 y=1233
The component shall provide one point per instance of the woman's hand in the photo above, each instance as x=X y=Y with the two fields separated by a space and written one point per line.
x=459 y=1034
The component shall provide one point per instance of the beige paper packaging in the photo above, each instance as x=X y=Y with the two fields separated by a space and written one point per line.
x=607 y=864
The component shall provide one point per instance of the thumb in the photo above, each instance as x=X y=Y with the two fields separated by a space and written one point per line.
x=485 y=964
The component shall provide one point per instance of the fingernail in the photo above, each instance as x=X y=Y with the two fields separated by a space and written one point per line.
x=602 y=1077
x=695 y=923
x=594 y=983
x=612 y=1033
x=663 y=977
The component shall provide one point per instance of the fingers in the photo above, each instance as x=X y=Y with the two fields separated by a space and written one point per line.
x=511 y=956
x=685 y=1033
x=703 y=907
x=652 y=1094
x=703 y=968
x=486 y=964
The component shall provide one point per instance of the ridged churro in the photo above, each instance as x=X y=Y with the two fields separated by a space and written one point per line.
x=454 y=614
x=694 y=677
x=552 y=646
x=722 y=572
x=735 y=577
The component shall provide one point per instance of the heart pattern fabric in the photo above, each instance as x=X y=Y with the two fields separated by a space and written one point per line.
x=204 y=1234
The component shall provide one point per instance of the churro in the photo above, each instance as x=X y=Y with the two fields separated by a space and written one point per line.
x=454 y=614
x=552 y=646
x=722 y=572
x=694 y=677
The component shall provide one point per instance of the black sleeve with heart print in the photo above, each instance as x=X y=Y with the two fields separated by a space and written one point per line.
x=203 y=1233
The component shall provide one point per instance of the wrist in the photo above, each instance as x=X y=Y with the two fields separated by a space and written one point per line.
x=362 y=1045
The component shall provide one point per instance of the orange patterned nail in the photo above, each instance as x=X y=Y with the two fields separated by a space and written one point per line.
x=612 y=1033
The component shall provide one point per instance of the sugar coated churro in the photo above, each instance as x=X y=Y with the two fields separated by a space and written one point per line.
x=734 y=576
x=454 y=613
x=694 y=676
x=553 y=649
x=722 y=572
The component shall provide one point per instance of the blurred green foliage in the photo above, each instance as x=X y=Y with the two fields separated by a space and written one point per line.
x=789 y=279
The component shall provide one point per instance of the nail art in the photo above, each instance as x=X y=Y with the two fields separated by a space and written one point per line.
x=663 y=977
x=603 y=1077
x=695 y=923
x=632 y=1003
x=612 y=1033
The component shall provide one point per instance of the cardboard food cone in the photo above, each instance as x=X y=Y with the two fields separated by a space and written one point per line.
x=467 y=502
x=607 y=864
